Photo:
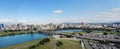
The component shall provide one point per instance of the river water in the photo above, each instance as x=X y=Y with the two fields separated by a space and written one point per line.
x=17 y=39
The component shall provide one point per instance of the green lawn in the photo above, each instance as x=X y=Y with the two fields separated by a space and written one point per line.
x=15 y=33
x=70 y=44
x=67 y=44
x=101 y=32
x=70 y=33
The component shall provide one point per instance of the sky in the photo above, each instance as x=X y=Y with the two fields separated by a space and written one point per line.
x=59 y=11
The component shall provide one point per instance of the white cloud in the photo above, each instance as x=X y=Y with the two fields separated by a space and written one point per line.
x=116 y=9
x=109 y=16
x=58 y=11
x=114 y=13
x=106 y=16
x=22 y=21
x=5 y=21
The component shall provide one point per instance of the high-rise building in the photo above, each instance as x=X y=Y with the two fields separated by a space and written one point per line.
x=1 y=26
x=83 y=24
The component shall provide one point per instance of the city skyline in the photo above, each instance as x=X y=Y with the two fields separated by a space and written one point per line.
x=59 y=11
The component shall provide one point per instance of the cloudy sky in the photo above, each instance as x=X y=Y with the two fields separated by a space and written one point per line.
x=59 y=11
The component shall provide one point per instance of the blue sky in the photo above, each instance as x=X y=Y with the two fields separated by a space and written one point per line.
x=59 y=11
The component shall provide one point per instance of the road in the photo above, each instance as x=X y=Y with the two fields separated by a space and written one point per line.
x=87 y=44
x=87 y=37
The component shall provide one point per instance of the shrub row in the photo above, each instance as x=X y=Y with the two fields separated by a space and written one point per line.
x=42 y=42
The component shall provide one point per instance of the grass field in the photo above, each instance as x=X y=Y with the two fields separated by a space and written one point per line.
x=67 y=44
x=12 y=33
x=70 y=44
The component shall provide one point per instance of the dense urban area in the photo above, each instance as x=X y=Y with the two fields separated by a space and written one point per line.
x=59 y=24
x=93 y=36
x=51 y=26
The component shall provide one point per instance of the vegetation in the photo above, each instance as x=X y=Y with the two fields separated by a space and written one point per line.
x=73 y=33
x=9 y=33
x=86 y=29
x=20 y=45
x=69 y=44
x=102 y=32
x=3 y=33
x=32 y=46
x=42 y=42
x=59 y=43
x=63 y=44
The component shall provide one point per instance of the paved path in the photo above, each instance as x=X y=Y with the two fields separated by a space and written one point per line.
x=82 y=44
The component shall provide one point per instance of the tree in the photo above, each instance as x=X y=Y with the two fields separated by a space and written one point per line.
x=73 y=33
x=59 y=43
x=46 y=40
x=32 y=46
x=80 y=34
x=34 y=28
x=104 y=33
x=88 y=31
x=41 y=42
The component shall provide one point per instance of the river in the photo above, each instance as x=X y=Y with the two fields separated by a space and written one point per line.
x=17 y=39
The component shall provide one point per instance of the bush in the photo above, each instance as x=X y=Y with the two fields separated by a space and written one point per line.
x=104 y=33
x=59 y=43
x=41 y=42
x=80 y=34
x=62 y=36
x=73 y=33
x=32 y=46
x=46 y=40
x=11 y=34
x=37 y=44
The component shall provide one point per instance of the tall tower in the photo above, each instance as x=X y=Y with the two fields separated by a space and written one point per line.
x=83 y=24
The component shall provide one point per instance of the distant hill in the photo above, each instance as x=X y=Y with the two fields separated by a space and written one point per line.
x=116 y=23
x=70 y=23
x=92 y=23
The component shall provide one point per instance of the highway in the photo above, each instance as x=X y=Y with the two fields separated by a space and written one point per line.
x=86 y=37
x=97 y=45
x=87 y=44
x=96 y=38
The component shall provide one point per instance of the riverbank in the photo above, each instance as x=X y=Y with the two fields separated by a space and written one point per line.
x=9 y=33
x=19 y=45
x=12 y=33
x=66 y=44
